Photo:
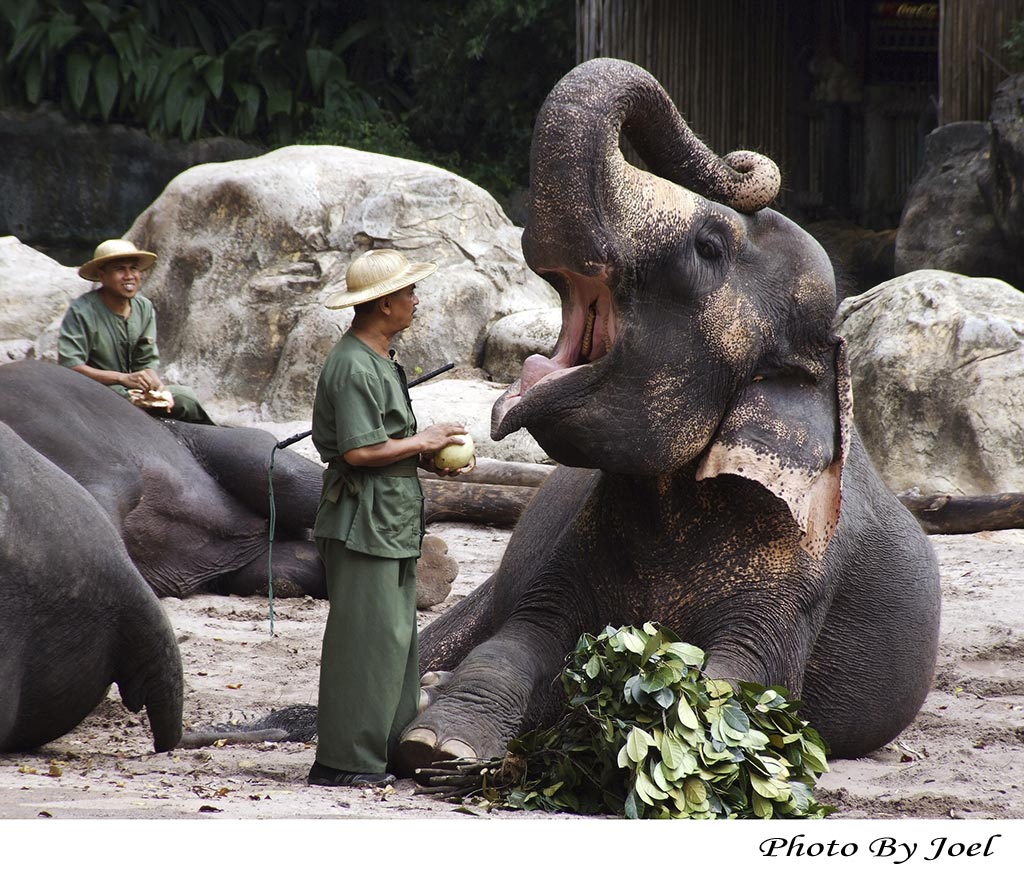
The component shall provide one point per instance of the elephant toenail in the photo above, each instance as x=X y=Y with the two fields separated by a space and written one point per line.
x=455 y=749
x=419 y=736
x=431 y=679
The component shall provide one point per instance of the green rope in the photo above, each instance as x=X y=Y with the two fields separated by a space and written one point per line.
x=270 y=547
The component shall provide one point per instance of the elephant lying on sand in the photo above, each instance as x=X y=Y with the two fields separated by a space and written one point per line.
x=189 y=501
x=718 y=483
x=68 y=630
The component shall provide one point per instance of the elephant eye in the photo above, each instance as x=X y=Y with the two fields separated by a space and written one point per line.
x=709 y=248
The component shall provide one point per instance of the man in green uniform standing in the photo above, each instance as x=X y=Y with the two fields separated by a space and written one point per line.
x=369 y=526
x=109 y=334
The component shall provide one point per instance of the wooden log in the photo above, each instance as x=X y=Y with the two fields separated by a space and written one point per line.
x=494 y=504
x=498 y=471
x=950 y=515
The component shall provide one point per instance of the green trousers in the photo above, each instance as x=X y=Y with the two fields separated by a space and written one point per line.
x=369 y=666
x=187 y=407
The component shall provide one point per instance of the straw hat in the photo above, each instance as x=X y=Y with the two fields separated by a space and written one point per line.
x=375 y=274
x=115 y=249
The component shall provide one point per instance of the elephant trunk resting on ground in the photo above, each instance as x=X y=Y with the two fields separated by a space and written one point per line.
x=718 y=484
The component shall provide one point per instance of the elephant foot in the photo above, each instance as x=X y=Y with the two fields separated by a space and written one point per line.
x=466 y=714
x=435 y=571
x=420 y=747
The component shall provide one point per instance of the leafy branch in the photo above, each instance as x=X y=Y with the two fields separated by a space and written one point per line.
x=646 y=734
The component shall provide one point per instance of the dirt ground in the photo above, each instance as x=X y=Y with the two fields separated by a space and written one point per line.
x=963 y=758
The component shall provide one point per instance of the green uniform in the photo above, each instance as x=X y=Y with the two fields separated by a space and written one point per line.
x=92 y=334
x=369 y=528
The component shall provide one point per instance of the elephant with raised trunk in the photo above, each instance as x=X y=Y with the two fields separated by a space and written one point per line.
x=712 y=479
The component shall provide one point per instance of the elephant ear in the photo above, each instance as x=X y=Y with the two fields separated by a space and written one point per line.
x=791 y=434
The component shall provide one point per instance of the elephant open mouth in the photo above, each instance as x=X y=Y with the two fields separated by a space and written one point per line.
x=589 y=328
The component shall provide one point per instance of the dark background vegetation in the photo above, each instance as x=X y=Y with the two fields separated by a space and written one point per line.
x=453 y=83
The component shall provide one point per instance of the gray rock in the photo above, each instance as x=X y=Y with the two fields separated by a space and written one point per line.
x=965 y=211
x=249 y=250
x=947 y=221
x=511 y=339
x=73 y=185
x=34 y=291
x=938 y=377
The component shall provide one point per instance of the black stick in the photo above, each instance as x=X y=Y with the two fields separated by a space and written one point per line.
x=287 y=442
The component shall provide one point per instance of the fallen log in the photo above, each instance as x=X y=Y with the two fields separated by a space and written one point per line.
x=951 y=515
x=494 y=504
x=498 y=471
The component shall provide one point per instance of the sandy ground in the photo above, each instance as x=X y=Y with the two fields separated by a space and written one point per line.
x=963 y=758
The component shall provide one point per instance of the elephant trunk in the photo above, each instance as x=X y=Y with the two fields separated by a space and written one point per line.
x=590 y=208
x=149 y=670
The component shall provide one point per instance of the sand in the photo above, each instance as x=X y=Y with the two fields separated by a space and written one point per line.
x=963 y=758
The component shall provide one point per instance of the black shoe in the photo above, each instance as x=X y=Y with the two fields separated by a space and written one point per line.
x=324 y=775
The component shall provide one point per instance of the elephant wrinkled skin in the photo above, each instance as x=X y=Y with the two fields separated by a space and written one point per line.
x=713 y=480
x=68 y=630
x=189 y=501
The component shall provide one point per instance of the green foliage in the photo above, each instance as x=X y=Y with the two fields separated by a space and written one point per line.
x=185 y=69
x=647 y=734
x=1014 y=44
x=477 y=73
x=457 y=85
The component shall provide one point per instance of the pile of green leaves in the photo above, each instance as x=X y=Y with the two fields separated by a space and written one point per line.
x=647 y=734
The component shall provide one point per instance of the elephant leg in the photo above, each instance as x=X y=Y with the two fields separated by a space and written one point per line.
x=503 y=684
x=447 y=641
x=297 y=572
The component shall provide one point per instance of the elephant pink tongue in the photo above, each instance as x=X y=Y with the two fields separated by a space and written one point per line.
x=535 y=369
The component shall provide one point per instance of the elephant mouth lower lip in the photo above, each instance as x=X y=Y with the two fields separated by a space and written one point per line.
x=589 y=328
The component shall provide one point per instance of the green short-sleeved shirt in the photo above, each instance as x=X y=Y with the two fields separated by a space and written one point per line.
x=361 y=400
x=91 y=334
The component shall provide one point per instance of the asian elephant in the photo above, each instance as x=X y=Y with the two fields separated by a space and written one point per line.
x=712 y=479
x=75 y=615
x=189 y=501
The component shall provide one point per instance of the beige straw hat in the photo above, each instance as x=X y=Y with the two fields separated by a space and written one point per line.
x=115 y=249
x=375 y=274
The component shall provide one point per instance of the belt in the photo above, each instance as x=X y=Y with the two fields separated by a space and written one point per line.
x=404 y=468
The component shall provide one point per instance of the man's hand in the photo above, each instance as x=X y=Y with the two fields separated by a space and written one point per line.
x=441 y=435
x=426 y=462
x=437 y=437
x=145 y=380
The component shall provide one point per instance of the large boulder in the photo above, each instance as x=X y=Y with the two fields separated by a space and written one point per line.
x=34 y=292
x=249 y=250
x=513 y=338
x=71 y=185
x=937 y=361
x=965 y=211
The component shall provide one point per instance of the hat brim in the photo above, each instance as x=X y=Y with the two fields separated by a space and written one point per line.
x=88 y=271
x=412 y=274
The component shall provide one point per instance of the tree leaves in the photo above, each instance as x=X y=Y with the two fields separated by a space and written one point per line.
x=253 y=72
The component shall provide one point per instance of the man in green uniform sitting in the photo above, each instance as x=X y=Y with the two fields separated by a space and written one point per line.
x=369 y=526
x=109 y=334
